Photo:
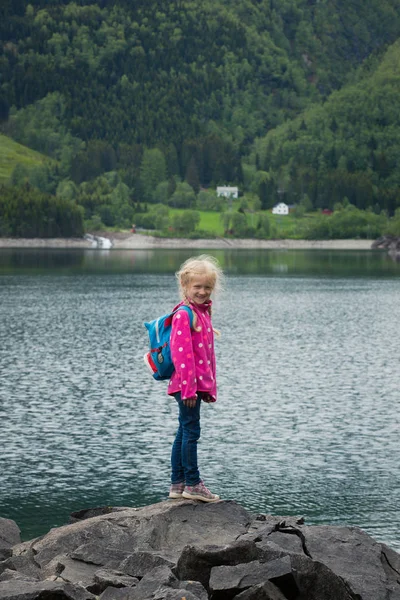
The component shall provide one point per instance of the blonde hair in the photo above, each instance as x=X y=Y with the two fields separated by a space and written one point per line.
x=200 y=265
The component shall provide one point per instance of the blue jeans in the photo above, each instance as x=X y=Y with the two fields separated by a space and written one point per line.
x=184 y=449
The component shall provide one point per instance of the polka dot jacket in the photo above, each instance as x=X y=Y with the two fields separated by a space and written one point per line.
x=193 y=353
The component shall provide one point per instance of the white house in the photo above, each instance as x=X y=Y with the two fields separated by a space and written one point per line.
x=228 y=192
x=280 y=209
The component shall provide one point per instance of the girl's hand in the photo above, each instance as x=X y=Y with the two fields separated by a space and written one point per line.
x=190 y=402
x=207 y=398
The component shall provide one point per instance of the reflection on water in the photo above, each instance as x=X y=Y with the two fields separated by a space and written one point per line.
x=307 y=420
x=335 y=263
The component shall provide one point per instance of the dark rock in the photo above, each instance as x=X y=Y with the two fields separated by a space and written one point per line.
x=260 y=528
x=100 y=554
x=25 y=590
x=389 y=242
x=88 y=513
x=348 y=552
x=227 y=581
x=70 y=570
x=140 y=563
x=164 y=593
x=263 y=591
x=158 y=577
x=25 y=549
x=354 y=556
x=166 y=527
x=276 y=537
x=9 y=574
x=287 y=541
x=195 y=588
x=55 y=567
x=88 y=575
x=97 y=534
x=113 y=593
x=274 y=523
x=196 y=562
x=9 y=537
x=317 y=582
x=104 y=578
x=246 y=556
x=270 y=551
x=391 y=561
x=23 y=564
x=188 y=590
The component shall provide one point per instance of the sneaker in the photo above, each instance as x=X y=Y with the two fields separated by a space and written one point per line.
x=176 y=489
x=199 y=492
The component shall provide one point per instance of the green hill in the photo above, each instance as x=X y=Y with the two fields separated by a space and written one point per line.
x=12 y=153
x=349 y=147
x=152 y=72
x=283 y=98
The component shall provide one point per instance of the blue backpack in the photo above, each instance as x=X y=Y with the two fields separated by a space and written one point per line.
x=159 y=359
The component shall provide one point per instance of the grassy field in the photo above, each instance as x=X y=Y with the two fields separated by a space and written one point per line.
x=282 y=226
x=12 y=153
x=209 y=220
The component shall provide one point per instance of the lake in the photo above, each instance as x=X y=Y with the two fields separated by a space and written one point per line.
x=307 y=419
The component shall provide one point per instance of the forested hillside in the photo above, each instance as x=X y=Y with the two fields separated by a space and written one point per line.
x=278 y=96
x=347 y=148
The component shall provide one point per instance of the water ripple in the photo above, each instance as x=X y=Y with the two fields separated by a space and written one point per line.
x=307 y=420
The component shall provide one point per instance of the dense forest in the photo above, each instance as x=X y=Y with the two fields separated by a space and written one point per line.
x=153 y=102
x=34 y=214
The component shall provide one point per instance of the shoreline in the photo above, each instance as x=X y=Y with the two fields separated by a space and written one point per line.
x=147 y=242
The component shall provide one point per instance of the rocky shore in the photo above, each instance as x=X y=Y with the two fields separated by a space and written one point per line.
x=390 y=243
x=185 y=550
x=128 y=241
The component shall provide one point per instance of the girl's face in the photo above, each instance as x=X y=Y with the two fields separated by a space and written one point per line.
x=199 y=289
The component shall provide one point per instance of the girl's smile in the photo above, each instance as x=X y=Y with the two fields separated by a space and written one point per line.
x=199 y=289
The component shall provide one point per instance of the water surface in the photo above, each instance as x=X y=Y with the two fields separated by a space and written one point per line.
x=307 y=420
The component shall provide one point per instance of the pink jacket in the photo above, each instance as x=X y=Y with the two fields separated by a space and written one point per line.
x=193 y=353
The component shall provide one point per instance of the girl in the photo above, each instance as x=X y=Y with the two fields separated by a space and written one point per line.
x=193 y=380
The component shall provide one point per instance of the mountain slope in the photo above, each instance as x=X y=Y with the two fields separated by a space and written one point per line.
x=349 y=147
x=155 y=72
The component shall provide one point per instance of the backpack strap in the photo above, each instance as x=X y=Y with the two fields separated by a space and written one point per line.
x=169 y=317
x=188 y=310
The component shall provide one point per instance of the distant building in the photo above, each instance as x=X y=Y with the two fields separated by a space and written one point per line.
x=327 y=211
x=280 y=209
x=228 y=192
